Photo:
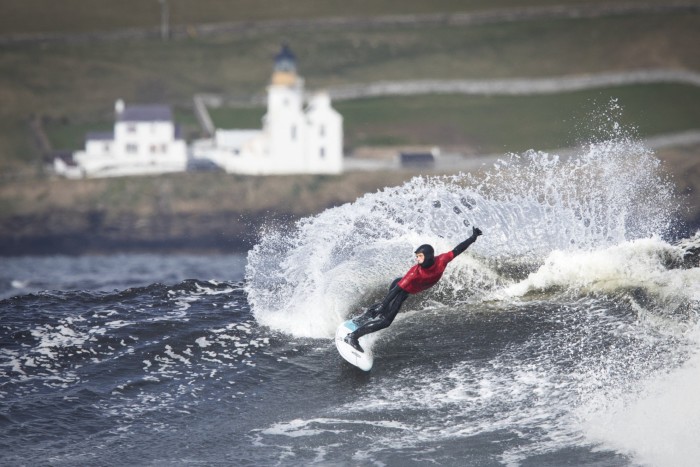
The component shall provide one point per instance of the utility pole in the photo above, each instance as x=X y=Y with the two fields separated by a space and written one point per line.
x=164 y=20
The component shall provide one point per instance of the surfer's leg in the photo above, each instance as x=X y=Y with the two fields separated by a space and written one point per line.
x=369 y=314
x=384 y=319
x=373 y=311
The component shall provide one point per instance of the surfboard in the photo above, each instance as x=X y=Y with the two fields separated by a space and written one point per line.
x=362 y=360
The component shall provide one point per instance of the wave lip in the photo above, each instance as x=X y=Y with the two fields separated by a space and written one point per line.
x=646 y=264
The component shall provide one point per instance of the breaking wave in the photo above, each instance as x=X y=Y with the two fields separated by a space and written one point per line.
x=536 y=210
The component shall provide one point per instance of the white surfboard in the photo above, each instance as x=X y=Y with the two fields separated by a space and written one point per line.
x=362 y=360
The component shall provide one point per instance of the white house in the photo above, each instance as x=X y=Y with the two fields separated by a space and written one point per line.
x=298 y=135
x=145 y=141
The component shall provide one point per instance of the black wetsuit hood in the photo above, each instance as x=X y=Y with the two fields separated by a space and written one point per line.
x=428 y=253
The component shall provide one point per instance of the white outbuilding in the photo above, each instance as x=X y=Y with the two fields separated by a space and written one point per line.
x=300 y=134
x=145 y=141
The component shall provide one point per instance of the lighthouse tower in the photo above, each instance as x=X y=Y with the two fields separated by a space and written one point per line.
x=299 y=135
x=284 y=122
x=301 y=139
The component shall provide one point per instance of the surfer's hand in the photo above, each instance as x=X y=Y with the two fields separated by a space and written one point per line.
x=476 y=231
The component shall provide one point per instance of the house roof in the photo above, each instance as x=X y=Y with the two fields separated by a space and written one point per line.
x=146 y=113
x=99 y=136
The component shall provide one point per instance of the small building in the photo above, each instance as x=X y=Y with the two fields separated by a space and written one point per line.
x=145 y=141
x=417 y=160
x=299 y=134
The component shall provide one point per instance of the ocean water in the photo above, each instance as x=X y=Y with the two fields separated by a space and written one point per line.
x=568 y=334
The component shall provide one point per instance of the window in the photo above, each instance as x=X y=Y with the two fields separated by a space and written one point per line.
x=132 y=148
x=131 y=128
x=322 y=131
x=322 y=152
x=294 y=132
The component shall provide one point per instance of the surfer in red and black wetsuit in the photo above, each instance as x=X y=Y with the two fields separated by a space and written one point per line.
x=420 y=277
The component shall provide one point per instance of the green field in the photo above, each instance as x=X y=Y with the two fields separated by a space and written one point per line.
x=78 y=83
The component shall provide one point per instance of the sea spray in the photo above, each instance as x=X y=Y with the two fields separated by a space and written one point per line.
x=307 y=280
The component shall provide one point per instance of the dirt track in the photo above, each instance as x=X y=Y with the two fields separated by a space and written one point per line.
x=515 y=86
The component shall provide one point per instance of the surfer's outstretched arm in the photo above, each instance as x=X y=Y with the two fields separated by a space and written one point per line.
x=459 y=249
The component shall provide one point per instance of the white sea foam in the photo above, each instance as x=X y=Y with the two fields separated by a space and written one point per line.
x=567 y=389
x=467 y=401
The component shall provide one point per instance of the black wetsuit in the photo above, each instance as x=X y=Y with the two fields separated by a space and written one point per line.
x=381 y=315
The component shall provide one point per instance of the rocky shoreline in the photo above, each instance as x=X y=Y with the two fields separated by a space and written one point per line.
x=195 y=212
x=100 y=232
x=207 y=233
x=216 y=212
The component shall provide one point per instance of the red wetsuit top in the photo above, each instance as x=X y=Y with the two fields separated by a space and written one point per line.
x=418 y=278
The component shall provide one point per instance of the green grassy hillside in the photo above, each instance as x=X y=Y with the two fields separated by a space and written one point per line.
x=78 y=82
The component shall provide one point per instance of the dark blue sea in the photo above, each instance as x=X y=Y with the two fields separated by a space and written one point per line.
x=568 y=334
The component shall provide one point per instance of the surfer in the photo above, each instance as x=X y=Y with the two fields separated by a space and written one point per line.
x=420 y=277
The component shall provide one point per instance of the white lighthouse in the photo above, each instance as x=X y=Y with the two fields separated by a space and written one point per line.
x=299 y=134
